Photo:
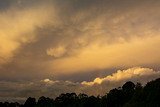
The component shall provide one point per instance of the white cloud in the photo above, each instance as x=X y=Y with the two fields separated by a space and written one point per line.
x=124 y=75
x=48 y=81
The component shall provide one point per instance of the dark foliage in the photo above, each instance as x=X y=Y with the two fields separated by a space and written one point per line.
x=130 y=95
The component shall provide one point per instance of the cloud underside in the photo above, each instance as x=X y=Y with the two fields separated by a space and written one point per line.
x=78 y=39
x=99 y=86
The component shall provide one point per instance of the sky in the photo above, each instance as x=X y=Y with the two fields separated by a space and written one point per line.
x=49 y=47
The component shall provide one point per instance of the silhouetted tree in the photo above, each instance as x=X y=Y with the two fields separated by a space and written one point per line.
x=67 y=100
x=45 y=102
x=136 y=100
x=92 y=102
x=30 y=102
x=128 y=91
x=6 y=104
x=151 y=93
x=115 y=98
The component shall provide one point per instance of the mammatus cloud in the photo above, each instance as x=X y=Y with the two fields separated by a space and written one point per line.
x=52 y=88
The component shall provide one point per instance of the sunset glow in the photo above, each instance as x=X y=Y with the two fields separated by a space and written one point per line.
x=76 y=46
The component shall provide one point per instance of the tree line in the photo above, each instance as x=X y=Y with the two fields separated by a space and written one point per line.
x=129 y=95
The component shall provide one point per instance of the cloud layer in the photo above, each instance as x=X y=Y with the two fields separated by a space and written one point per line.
x=65 y=39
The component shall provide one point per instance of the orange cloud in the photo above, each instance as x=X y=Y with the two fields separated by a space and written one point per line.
x=18 y=27
x=97 y=55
